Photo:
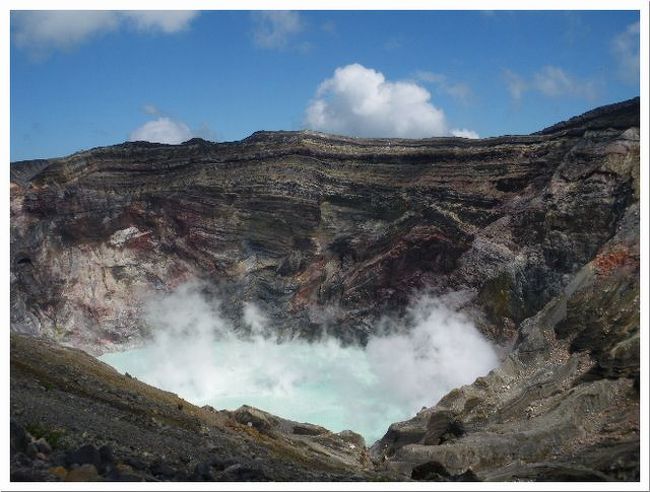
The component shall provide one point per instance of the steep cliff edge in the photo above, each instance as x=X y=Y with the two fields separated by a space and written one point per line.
x=563 y=406
x=317 y=230
x=535 y=237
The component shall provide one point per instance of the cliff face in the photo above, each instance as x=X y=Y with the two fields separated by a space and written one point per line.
x=535 y=237
x=563 y=406
x=317 y=230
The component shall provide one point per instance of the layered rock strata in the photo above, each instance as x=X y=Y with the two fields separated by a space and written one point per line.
x=321 y=232
x=535 y=237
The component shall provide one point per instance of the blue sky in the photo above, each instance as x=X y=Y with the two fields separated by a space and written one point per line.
x=81 y=80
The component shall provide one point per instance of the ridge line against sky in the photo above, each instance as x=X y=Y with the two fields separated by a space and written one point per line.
x=92 y=78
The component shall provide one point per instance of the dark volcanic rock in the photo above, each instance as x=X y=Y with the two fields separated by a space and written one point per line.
x=564 y=405
x=18 y=438
x=536 y=238
x=434 y=471
x=85 y=455
x=316 y=229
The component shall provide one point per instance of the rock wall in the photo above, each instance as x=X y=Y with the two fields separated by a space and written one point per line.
x=534 y=237
x=319 y=231
x=563 y=406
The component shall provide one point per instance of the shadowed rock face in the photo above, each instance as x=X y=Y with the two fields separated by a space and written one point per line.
x=535 y=237
x=563 y=406
x=317 y=230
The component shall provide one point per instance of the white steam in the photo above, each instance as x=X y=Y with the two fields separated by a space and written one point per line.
x=441 y=352
x=196 y=353
x=255 y=320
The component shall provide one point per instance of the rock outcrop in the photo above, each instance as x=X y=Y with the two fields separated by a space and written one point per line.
x=317 y=229
x=75 y=418
x=535 y=237
x=563 y=406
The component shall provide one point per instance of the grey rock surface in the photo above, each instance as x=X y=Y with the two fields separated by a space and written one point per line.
x=535 y=238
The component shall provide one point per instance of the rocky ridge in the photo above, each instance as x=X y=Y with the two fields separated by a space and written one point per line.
x=75 y=418
x=319 y=231
x=535 y=237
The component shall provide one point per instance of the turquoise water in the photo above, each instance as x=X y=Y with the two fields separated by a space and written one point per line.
x=323 y=383
x=197 y=354
x=320 y=383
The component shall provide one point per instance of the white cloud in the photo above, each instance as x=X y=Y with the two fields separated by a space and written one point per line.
x=625 y=47
x=42 y=31
x=166 y=21
x=151 y=109
x=516 y=85
x=550 y=81
x=393 y=44
x=458 y=90
x=328 y=27
x=206 y=132
x=359 y=101
x=463 y=132
x=275 y=28
x=162 y=130
x=553 y=82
